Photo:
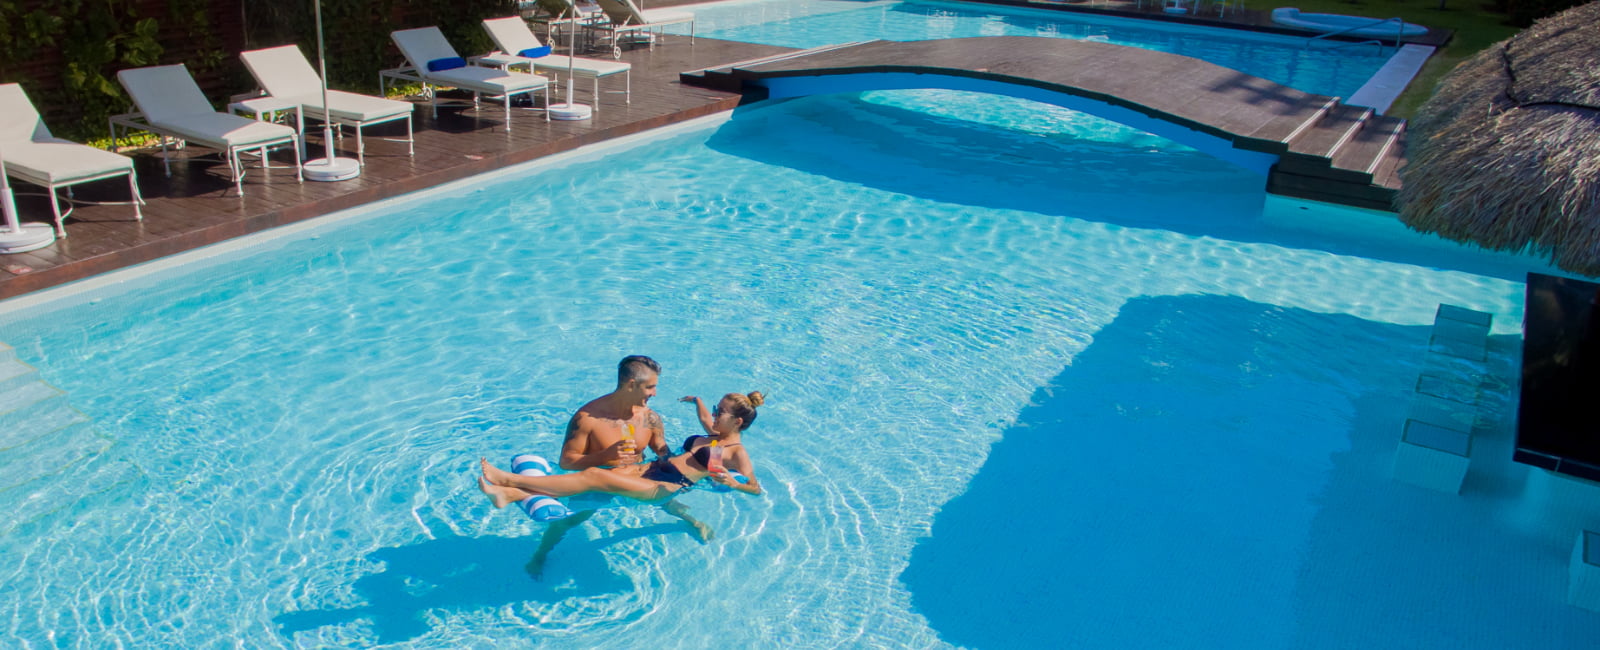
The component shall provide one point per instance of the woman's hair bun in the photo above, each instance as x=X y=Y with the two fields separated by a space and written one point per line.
x=756 y=398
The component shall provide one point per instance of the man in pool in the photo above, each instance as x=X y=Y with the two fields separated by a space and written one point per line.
x=607 y=432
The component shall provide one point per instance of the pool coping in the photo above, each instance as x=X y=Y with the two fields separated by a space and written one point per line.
x=142 y=275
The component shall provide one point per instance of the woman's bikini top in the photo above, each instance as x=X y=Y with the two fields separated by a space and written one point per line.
x=701 y=456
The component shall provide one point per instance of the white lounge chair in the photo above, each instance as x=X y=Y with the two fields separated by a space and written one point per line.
x=518 y=46
x=553 y=12
x=624 y=17
x=171 y=105
x=284 y=73
x=33 y=155
x=436 y=63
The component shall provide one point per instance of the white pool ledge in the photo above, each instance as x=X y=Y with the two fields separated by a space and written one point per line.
x=1389 y=81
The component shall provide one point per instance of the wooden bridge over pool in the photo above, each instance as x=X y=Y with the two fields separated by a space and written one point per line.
x=1308 y=146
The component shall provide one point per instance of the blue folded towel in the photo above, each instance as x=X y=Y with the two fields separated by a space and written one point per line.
x=447 y=63
x=535 y=52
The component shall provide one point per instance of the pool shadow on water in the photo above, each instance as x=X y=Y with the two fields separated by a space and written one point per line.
x=466 y=573
x=1082 y=171
x=1158 y=491
x=1107 y=178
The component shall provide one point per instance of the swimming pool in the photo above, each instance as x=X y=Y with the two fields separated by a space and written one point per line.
x=1095 y=319
x=814 y=23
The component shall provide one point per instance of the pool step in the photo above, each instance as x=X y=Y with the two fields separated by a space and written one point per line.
x=1312 y=121
x=1332 y=131
x=14 y=374
x=1387 y=174
x=30 y=410
x=76 y=488
x=51 y=455
x=1349 y=156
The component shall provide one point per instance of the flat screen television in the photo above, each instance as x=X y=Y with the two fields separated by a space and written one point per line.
x=1558 y=416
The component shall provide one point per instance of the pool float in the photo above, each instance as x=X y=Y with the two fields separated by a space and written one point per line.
x=1356 y=25
x=740 y=478
x=539 y=507
x=544 y=509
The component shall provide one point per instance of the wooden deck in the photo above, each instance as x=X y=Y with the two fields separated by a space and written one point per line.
x=197 y=205
x=1326 y=150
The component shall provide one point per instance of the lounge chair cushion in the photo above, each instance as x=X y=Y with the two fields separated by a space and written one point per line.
x=423 y=45
x=580 y=66
x=282 y=71
x=511 y=34
x=447 y=63
x=353 y=107
x=164 y=93
x=487 y=80
x=22 y=121
x=625 y=14
x=285 y=73
x=215 y=129
x=54 y=161
x=666 y=16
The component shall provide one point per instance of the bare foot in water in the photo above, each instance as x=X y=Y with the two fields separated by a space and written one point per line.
x=500 y=496
x=702 y=530
x=495 y=475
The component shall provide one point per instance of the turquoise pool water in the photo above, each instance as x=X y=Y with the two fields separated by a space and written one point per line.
x=1062 y=348
x=813 y=23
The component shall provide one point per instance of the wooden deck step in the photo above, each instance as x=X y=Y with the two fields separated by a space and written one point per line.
x=1336 y=127
x=1370 y=145
x=766 y=60
x=1312 y=121
x=721 y=75
x=1388 y=172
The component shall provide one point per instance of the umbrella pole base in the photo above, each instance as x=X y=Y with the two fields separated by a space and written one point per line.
x=570 y=112
x=30 y=237
x=336 y=169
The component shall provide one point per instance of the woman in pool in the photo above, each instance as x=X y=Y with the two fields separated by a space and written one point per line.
x=703 y=456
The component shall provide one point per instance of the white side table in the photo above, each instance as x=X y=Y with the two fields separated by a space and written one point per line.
x=266 y=108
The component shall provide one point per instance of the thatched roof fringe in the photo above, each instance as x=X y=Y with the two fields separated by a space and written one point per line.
x=1507 y=152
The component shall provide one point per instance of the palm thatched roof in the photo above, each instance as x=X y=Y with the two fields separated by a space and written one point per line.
x=1507 y=152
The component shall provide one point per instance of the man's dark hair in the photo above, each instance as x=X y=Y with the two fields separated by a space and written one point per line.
x=634 y=365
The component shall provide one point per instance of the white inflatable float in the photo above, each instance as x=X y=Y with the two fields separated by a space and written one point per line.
x=1340 y=23
x=545 y=509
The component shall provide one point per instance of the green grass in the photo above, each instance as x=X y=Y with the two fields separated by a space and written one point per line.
x=1475 y=29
